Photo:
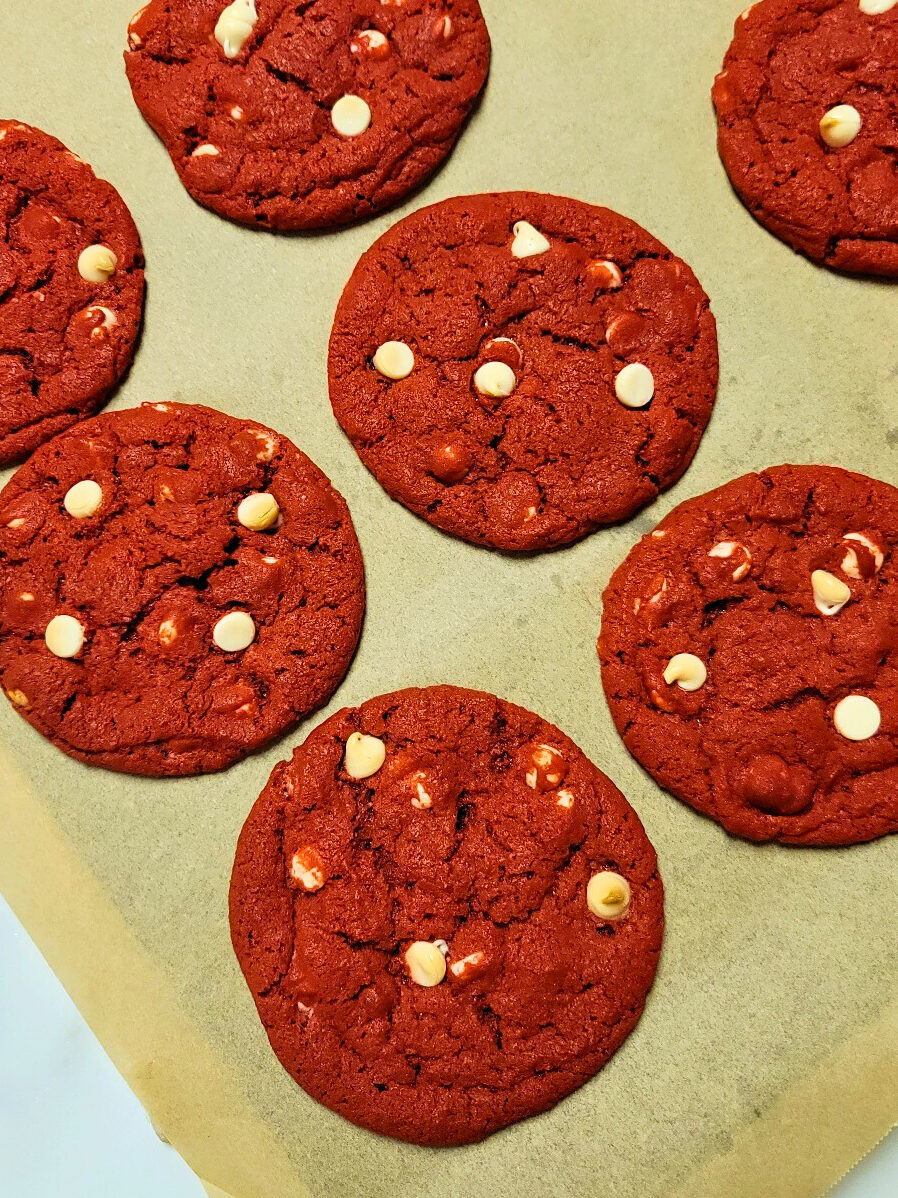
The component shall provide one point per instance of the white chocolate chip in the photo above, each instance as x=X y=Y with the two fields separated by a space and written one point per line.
x=608 y=895
x=97 y=263
x=370 y=41
x=873 y=8
x=168 y=632
x=605 y=272
x=830 y=593
x=687 y=670
x=659 y=534
x=364 y=755
x=83 y=499
x=350 y=116
x=64 y=636
x=547 y=768
x=727 y=549
x=268 y=447
x=496 y=379
x=27 y=597
x=236 y=113
x=110 y=320
x=206 y=150
x=134 y=39
x=422 y=801
x=565 y=799
x=634 y=386
x=840 y=126
x=527 y=241
x=856 y=717
x=394 y=360
x=442 y=946
x=16 y=522
x=17 y=697
x=161 y=407
x=258 y=511
x=234 y=632
x=425 y=963
x=659 y=582
x=307 y=867
x=442 y=27
x=467 y=964
x=234 y=26
x=850 y=564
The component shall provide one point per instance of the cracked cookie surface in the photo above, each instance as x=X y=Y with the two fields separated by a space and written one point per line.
x=248 y=122
x=467 y=839
x=518 y=313
x=782 y=585
x=789 y=64
x=65 y=340
x=121 y=550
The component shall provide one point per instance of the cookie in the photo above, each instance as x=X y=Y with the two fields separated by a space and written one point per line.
x=71 y=289
x=520 y=369
x=448 y=917
x=806 y=126
x=749 y=651
x=296 y=116
x=177 y=587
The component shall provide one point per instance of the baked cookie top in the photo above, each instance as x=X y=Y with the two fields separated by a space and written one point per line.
x=71 y=289
x=519 y=369
x=177 y=587
x=806 y=107
x=294 y=116
x=448 y=917
x=749 y=652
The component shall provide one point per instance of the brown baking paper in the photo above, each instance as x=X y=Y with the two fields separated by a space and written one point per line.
x=767 y=1059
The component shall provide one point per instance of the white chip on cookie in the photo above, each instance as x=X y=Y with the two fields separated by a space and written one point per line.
x=496 y=379
x=857 y=717
x=527 y=241
x=64 y=636
x=97 y=263
x=234 y=25
x=840 y=125
x=82 y=499
x=394 y=360
x=234 y=632
x=350 y=116
x=634 y=385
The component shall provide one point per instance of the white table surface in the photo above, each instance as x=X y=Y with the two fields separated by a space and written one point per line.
x=71 y=1128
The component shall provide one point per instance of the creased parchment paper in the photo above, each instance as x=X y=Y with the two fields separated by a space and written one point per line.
x=767 y=1059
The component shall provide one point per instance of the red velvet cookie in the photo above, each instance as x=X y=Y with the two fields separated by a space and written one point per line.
x=520 y=369
x=71 y=289
x=294 y=116
x=448 y=917
x=806 y=107
x=749 y=653
x=177 y=588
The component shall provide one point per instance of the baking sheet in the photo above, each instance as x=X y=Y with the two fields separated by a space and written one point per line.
x=767 y=1059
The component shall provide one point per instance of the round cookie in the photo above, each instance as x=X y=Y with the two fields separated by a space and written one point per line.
x=749 y=651
x=448 y=917
x=177 y=587
x=806 y=126
x=520 y=369
x=70 y=311
x=288 y=116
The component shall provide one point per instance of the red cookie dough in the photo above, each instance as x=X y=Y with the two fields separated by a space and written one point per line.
x=64 y=341
x=252 y=137
x=734 y=578
x=150 y=573
x=561 y=454
x=478 y=834
x=790 y=63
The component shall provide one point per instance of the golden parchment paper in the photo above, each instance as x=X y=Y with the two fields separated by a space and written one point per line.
x=767 y=1059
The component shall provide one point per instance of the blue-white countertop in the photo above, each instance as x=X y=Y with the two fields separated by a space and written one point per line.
x=71 y=1128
